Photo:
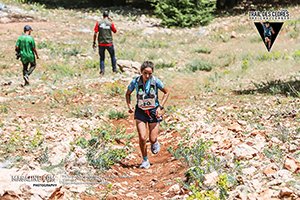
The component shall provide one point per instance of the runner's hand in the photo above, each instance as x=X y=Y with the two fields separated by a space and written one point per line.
x=159 y=112
x=131 y=110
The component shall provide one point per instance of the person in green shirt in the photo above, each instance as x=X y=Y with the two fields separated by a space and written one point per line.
x=25 y=48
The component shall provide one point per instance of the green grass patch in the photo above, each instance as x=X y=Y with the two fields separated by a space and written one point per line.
x=62 y=70
x=162 y=65
x=46 y=45
x=64 y=96
x=203 y=50
x=200 y=65
x=270 y=56
x=255 y=39
x=100 y=152
x=114 y=89
x=19 y=142
x=152 y=44
x=275 y=154
x=74 y=51
x=296 y=55
x=4 y=108
x=91 y=64
x=227 y=59
x=245 y=64
x=127 y=54
x=201 y=162
x=83 y=112
x=114 y=114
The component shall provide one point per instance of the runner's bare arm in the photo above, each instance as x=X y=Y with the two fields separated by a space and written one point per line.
x=127 y=96
x=94 y=40
x=166 y=92
x=166 y=96
x=35 y=52
x=272 y=30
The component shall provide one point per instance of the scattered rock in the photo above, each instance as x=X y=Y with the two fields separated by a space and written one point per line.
x=283 y=175
x=285 y=192
x=268 y=194
x=211 y=178
x=129 y=67
x=244 y=151
x=249 y=171
x=235 y=128
x=174 y=189
x=132 y=195
x=233 y=34
x=292 y=164
x=270 y=171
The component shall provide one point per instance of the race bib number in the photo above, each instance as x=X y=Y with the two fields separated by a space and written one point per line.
x=146 y=104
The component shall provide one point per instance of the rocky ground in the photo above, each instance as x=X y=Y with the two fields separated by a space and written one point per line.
x=249 y=133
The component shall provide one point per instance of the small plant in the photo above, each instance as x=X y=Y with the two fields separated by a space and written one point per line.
x=111 y=133
x=64 y=96
x=293 y=34
x=63 y=70
x=227 y=59
x=270 y=56
x=83 y=112
x=200 y=162
x=44 y=157
x=45 y=45
x=255 y=39
x=114 y=114
x=105 y=159
x=204 y=50
x=99 y=152
x=91 y=64
x=245 y=64
x=82 y=142
x=275 y=154
x=37 y=140
x=223 y=186
x=72 y=52
x=127 y=54
x=201 y=65
x=4 y=108
x=163 y=65
x=296 y=55
x=115 y=89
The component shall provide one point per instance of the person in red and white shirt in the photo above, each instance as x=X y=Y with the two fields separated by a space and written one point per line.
x=103 y=29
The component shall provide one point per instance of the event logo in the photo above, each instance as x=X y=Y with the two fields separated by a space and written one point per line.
x=267 y=30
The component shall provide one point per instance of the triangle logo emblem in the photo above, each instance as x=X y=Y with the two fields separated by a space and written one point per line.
x=268 y=32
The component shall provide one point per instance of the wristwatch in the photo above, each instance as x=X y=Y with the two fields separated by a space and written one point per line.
x=161 y=107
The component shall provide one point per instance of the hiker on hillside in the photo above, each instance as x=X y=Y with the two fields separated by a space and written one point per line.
x=268 y=32
x=148 y=111
x=25 y=49
x=104 y=29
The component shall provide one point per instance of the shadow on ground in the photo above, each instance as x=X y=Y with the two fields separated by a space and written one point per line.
x=288 y=88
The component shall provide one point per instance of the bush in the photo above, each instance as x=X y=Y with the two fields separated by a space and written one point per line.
x=204 y=50
x=185 y=13
x=296 y=55
x=114 y=114
x=163 y=65
x=196 y=65
x=115 y=89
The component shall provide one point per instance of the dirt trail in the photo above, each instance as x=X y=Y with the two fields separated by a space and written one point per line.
x=131 y=182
